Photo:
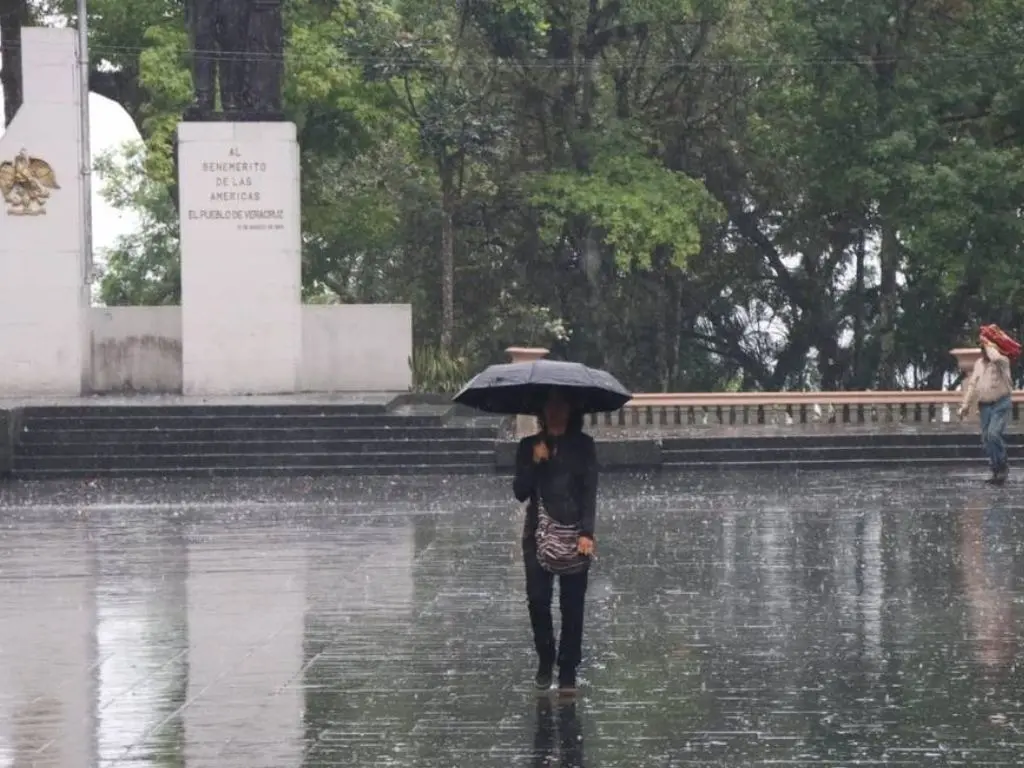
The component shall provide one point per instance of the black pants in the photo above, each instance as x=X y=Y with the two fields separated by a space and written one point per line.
x=571 y=591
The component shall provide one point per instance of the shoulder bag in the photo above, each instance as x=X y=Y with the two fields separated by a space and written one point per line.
x=557 y=546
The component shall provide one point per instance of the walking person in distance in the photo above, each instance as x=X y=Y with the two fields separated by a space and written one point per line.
x=557 y=472
x=990 y=385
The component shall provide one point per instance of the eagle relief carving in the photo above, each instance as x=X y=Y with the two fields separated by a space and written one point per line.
x=26 y=183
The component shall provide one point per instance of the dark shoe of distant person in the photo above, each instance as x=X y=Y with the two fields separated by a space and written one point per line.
x=567 y=681
x=999 y=475
x=545 y=676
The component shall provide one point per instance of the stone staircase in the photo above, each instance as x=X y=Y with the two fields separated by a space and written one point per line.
x=94 y=441
x=363 y=439
x=817 y=451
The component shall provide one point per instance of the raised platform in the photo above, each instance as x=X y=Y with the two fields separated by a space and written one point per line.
x=169 y=401
x=389 y=434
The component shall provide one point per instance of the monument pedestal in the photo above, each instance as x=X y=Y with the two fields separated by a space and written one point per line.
x=44 y=292
x=241 y=268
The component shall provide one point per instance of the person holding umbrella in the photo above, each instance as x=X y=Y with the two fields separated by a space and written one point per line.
x=556 y=473
x=991 y=386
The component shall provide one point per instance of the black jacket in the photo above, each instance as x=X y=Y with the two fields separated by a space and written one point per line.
x=566 y=483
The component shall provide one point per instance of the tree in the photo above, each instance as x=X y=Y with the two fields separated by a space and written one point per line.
x=701 y=194
x=421 y=56
x=142 y=267
x=14 y=14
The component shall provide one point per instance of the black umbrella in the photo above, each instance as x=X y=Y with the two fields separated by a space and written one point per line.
x=515 y=388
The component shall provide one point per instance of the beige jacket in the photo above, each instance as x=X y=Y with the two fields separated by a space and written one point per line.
x=989 y=381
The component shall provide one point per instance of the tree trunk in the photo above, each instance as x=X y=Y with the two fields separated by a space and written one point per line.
x=447 y=254
x=858 y=379
x=597 y=310
x=662 y=285
x=675 y=329
x=889 y=259
x=14 y=14
x=593 y=254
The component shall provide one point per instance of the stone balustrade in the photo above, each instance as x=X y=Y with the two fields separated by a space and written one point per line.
x=656 y=412
x=788 y=409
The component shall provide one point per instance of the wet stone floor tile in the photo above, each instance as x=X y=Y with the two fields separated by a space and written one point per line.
x=827 y=619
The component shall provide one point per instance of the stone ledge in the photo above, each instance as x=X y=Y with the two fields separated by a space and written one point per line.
x=669 y=432
x=625 y=454
x=9 y=419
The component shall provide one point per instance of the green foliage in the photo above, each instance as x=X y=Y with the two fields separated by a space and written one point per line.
x=695 y=194
x=438 y=372
x=515 y=322
x=638 y=203
x=142 y=268
x=164 y=73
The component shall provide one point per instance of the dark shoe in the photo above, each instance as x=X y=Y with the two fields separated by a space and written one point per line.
x=999 y=475
x=544 y=677
x=567 y=682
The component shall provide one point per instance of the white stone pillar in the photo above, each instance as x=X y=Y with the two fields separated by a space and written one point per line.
x=44 y=296
x=241 y=269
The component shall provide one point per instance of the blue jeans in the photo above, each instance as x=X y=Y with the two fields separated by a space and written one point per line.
x=994 y=418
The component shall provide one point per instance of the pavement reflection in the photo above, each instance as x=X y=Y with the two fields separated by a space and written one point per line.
x=733 y=619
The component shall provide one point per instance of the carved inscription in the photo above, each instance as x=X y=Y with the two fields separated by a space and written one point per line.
x=238 y=193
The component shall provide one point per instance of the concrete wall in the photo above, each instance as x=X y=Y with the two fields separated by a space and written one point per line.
x=136 y=349
x=358 y=347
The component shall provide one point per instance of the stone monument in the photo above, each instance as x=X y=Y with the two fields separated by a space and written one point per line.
x=238 y=182
x=44 y=292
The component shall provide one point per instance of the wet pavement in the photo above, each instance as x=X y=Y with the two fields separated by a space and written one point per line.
x=824 y=619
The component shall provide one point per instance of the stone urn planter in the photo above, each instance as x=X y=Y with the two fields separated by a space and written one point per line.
x=526 y=425
x=966 y=357
x=526 y=354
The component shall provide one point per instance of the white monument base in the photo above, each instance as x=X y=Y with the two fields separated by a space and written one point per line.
x=44 y=294
x=241 y=290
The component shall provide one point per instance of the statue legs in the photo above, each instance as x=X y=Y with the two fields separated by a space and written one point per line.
x=267 y=42
x=204 y=62
x=235 y=62
x=238 y=55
